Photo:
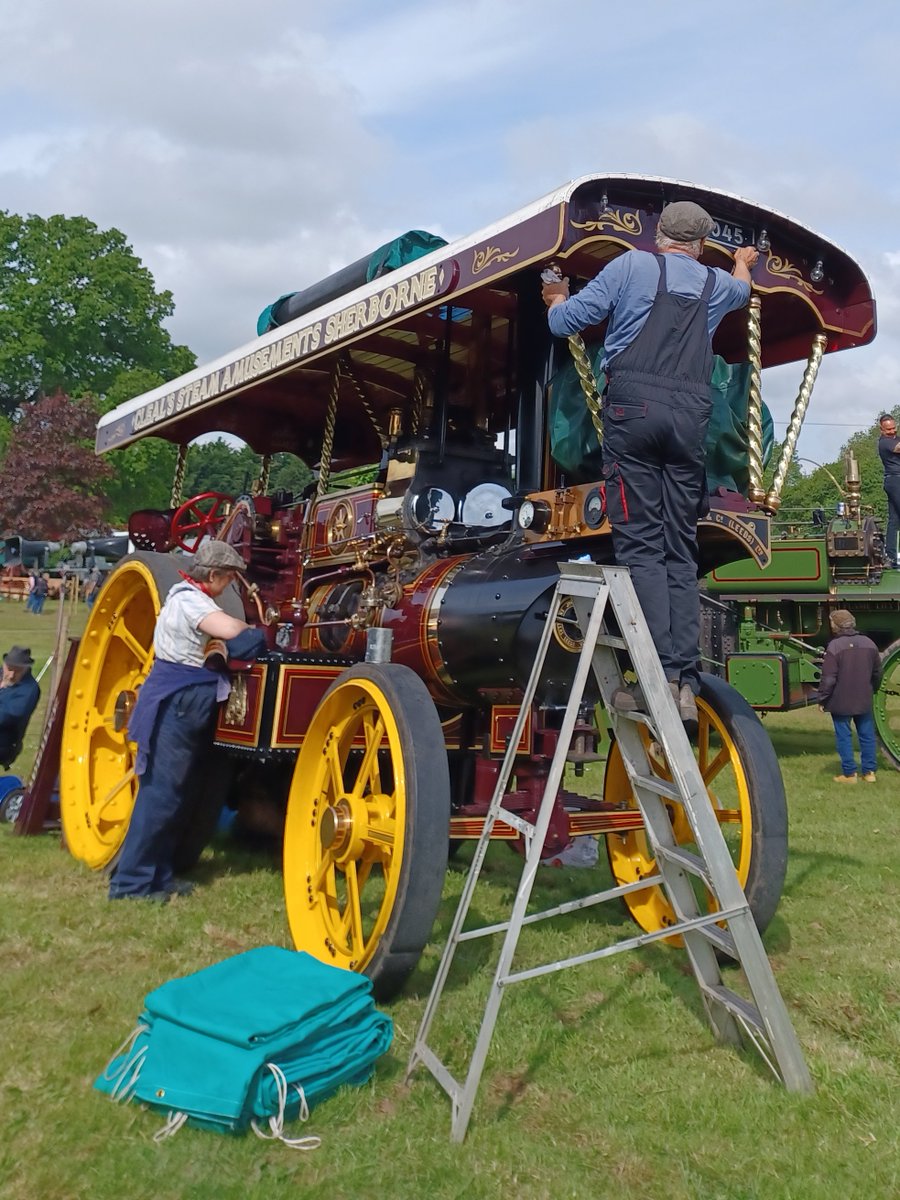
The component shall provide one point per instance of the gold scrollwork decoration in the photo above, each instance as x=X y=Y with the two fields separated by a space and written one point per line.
x=490 y=255
x=627 y=222
x=236 y=704
x=782 y=268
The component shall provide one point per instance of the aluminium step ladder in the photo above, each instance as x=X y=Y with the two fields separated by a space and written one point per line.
x=595 y=592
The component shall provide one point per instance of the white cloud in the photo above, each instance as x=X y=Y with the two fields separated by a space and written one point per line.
x=249 y=150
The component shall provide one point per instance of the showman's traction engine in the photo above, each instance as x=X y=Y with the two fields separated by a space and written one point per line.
x=402 y=606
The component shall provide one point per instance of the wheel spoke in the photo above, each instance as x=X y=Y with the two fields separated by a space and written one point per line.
x=141 y=653
x=352 y=921
x=711 y=769
x=335 y=769
x=317 y=883
x=369 y=769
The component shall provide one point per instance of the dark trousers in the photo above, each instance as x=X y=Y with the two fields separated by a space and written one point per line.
x=179 y=746
x=653 y=456
x=892 y=491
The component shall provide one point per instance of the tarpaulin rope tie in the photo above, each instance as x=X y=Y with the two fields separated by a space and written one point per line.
x=125 y=1078
x=175 y=1121
x=276 y=1123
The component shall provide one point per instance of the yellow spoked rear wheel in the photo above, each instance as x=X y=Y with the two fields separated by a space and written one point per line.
x=741 y=772
x=366 y=835
x=96 y=779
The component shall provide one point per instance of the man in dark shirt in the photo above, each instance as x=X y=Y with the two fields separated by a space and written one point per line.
x=19 y=694
x=889 y=453
x=851 y=673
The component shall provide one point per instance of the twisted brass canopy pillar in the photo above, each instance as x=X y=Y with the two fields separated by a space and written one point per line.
x=772 y=502
x=756 y=493
x=582 y=361
x=178 y=479
x=328 y=436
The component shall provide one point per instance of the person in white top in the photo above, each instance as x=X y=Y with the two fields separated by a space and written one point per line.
x=173 y=721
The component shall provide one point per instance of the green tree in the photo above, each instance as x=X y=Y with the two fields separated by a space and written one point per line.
x=52 y=484
x=823 y=486
x=77 y=307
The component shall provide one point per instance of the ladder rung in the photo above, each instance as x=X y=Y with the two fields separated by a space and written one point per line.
x=611 y=640
x=661 y=787
x=639 y=718
x=515 y=822
x=735 y=1004
x=426 y=1055
x=687 y=860
x=722 y=940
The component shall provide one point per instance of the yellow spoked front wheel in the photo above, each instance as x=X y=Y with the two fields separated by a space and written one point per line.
x=96 y=777
x=742 y=776
x=366 y=835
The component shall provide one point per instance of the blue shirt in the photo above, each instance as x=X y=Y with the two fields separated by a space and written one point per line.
x=626 y=288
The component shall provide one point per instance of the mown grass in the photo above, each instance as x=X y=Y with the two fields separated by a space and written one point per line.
x=602 y=1081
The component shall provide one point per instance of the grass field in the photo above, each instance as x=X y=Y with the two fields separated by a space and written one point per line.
x=603 y=1081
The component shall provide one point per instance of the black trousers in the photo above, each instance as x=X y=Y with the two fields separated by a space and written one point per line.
x=654 y=464
x=892 y=491
x=178 y=750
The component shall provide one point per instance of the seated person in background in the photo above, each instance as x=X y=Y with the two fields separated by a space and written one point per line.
x=19 y=694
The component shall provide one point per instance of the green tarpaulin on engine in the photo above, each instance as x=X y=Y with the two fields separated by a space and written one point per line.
x=413 y=244
x=576 y=449
x=402 y=250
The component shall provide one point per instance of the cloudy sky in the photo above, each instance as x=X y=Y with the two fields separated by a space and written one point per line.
x=249 y=149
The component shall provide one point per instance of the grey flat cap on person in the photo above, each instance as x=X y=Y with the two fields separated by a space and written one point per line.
x=219 y=556
x=19 y=657
x=685 y=221
x=842 y=618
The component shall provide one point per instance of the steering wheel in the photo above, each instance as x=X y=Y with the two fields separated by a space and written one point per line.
x=198 y=518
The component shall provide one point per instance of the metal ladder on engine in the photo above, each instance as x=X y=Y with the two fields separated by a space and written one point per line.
x=594 y=593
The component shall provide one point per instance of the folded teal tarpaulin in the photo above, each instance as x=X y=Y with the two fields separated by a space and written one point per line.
x=266 y=1034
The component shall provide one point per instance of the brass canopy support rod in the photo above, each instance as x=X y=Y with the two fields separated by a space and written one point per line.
x=773 y=498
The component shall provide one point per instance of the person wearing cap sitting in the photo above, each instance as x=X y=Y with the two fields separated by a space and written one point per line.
x=19 y=694
x=851 y=673
x=174 y=718
x=663 y=309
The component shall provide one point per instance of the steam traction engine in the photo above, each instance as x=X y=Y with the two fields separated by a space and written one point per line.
x=481 y=434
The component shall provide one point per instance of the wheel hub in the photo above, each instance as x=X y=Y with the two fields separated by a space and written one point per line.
x=336 y=825
x=125 y=702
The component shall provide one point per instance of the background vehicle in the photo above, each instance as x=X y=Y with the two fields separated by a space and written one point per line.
x=766 y=626
x=479 y=432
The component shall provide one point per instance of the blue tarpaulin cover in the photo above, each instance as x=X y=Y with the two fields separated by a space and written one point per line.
x=204 y=1042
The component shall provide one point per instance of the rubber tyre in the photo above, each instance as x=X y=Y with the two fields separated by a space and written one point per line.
x=366 y=834
x=886 y=705
x=747 y=789
x=97 y=786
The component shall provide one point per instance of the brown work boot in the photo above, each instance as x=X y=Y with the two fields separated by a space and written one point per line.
x=687 y=707
x=869 y=777
x=629 y=699
x=845 y=779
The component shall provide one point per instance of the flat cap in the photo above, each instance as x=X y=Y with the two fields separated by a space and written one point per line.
x=685 y=221
x=219 y=556
x=18 y=656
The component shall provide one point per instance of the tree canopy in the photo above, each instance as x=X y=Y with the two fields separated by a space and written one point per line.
x=822 y=487
x=77 y=307
x=51 y=482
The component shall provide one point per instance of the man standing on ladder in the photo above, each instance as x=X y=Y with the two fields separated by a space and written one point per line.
x=663 y=311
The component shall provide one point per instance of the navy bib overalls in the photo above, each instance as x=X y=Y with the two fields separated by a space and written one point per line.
x=655 y=416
